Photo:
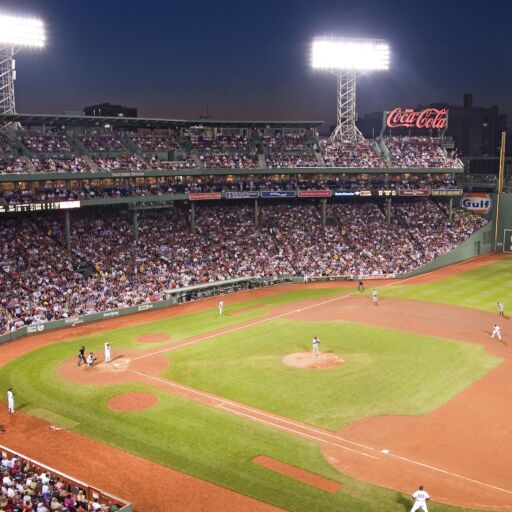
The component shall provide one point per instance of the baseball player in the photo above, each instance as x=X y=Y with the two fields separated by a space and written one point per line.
x=316 y=343
x=107 y=353
x=221 y=306
x=375 y=297
x=10 y=401
x=90 y=359
x=81 y=356
x=420 y=499
x=496 y=332
x=501 y=308
x=360 y=286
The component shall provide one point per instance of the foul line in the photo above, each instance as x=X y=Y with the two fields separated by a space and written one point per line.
x=231 y=406
x=410 y=461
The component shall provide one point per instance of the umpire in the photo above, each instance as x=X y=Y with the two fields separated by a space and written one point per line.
x=81 y=356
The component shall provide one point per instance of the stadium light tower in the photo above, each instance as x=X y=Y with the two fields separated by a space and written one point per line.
x=15 y=33
x=348 y=58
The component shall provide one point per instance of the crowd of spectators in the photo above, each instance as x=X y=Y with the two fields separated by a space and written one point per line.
x=119 y=163
x=341 y=154
x=25 y=488
x=101 y=142
x=289 y=150
x=154 y=144
x=60 y=165
x=225 y=152
x=14 y=165
x=107 y=268
x=186 y=161
x=45 y=143
x=417 y=152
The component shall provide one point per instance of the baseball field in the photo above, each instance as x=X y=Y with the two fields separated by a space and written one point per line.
x=201 y=411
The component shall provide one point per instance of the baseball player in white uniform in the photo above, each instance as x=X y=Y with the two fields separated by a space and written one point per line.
x=10 y=401
x=221 y=306
x=375 y=297
x=107 y=353
x=496 y=332
x=420 y=499
x=316 y=343
x=501 y=308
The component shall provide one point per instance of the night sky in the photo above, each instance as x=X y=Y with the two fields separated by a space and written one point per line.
x=250 y=59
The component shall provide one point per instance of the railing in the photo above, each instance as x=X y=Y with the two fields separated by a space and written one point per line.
x=91 y=492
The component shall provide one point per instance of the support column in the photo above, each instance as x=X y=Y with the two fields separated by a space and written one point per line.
x=450 y=210
x=256 y=213
x=388 y=210
x=324 y=211
x=67 y=228
x=192 y=217
x=135 y=220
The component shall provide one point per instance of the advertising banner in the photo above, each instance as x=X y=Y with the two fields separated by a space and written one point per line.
x=315 y=193
x=37 y=207
x=434 y=118
x=276 y=194
x=447 y=192
x=408 y=192
x=342 y=193
x=204 y=196
x=475 y=202
x=242 y=195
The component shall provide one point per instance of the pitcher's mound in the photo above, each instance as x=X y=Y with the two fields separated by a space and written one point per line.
x=132 y=402
x=310 y=361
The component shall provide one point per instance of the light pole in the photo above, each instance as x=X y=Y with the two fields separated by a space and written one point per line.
x=348 y=58
x=15 y=33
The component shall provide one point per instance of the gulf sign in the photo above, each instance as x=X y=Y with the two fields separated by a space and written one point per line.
x=476 y=202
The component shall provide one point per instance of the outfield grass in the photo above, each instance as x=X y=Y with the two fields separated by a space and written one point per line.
x=385 y=371
x=480 y=288
x=218 y=446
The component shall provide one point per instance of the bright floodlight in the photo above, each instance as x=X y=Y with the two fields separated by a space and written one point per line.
x=347 y=58
x=19 y=31
x=356 y=54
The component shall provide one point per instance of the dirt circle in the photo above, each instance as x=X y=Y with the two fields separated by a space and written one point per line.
x=309 y=361
x=132 y=402
x=155 y=337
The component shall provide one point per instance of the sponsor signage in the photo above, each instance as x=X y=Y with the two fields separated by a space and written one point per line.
x=384 y=193
x=273 y=194
x=363 y=193
x=35 y=328
x=145 y=307
x=435 y=118
x=446 y=192
x=242 y=195
x=204 y=196
x=108 y=314
x=341 y=193
x=476 y=203
x=407 y=192
x=315 y=193
x=127 y=174
x=37 y=207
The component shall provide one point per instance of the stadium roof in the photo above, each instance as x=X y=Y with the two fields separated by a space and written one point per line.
x=141 y=122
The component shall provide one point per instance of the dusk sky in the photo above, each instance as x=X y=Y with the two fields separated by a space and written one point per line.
x=250 y=60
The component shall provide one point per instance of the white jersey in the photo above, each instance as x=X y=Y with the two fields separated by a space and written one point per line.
x=421 y=496
x=221 y=305
x=10 y=396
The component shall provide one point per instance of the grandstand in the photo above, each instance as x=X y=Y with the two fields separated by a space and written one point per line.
x=151 y=205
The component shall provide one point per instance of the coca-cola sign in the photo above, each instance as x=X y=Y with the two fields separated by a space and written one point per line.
x=434 y=118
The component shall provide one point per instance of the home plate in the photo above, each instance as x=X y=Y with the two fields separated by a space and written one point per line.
x=385 y=452
x=121 y=364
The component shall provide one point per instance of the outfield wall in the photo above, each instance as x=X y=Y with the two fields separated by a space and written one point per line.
x=480 y=242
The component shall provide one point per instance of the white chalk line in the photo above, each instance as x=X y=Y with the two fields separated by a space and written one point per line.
x=297 y=432
x=439 y=470
x=231 y=406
